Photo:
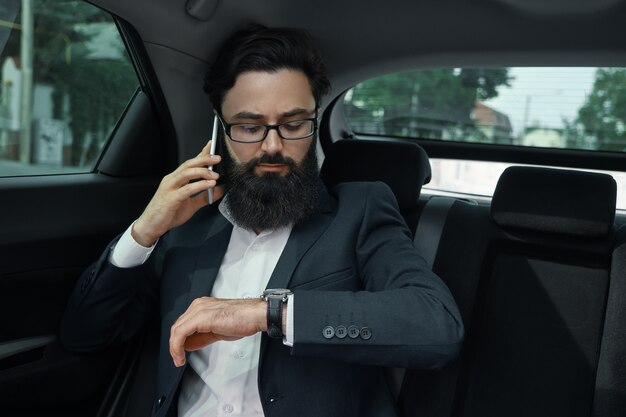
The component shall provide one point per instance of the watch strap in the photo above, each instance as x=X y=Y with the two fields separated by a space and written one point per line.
x=275 y=316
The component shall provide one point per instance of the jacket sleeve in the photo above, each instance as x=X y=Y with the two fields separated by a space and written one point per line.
x=405 y=315
x=109 y=305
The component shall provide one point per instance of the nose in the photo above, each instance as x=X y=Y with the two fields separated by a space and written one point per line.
x=272 y=144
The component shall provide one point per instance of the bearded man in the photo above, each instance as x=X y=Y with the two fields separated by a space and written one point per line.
x=351 y=294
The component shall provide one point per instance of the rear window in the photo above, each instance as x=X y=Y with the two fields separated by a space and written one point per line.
x=560 y=108
x=575 y=108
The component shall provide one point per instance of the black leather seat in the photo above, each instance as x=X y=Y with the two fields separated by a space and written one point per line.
x=360 y=160
x=531 y=277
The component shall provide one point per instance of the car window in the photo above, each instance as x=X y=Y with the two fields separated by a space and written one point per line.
x=559 y=108
x=65 y=80
x=479 y=178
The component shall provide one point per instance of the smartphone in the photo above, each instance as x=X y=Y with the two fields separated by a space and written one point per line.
x=212 y=152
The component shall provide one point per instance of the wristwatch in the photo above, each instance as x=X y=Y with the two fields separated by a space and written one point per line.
x=276 y=299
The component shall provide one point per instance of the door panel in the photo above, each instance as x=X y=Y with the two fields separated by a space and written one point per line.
x=51 y=229
x=57 y=235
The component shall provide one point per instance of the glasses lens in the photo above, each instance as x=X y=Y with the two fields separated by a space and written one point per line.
x=247 y=132
x=297 y=129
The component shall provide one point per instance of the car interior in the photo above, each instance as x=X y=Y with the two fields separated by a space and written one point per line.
x=537 y=267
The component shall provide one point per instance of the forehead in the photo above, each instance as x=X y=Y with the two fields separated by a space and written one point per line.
x=269 y=93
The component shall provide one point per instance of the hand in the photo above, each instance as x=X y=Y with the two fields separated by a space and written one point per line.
x=208 y=320
x=173 y=204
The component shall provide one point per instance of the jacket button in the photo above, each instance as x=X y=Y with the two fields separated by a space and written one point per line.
x=341 y=332
x=353 y=332
x=366 y=333
x=159 y=401
x=328 y=332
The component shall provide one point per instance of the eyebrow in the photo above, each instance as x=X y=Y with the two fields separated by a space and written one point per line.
x=256 y=116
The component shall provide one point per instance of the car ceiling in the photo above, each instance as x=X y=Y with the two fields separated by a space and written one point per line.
x=376 y=31
x=364 y=38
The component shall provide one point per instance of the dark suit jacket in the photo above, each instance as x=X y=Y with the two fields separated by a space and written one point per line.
x=352 y=265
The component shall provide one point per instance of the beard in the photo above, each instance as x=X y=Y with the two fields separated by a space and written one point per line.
x=270 y=200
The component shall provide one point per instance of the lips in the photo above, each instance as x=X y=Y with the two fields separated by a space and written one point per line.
x=271 y=167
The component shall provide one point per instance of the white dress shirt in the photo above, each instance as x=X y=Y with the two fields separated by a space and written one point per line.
x=221 y=379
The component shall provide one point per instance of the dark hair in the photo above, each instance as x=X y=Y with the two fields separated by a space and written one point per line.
x=259 y=48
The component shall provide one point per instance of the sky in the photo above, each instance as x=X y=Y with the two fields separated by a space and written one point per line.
x=543 y=96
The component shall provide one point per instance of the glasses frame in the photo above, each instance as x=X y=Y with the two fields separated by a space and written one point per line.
x=227 y=126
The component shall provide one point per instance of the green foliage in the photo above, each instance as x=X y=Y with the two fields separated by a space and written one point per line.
x=603 y=115
x=426 y=102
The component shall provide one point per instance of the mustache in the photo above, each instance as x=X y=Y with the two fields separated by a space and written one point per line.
x=270 y=159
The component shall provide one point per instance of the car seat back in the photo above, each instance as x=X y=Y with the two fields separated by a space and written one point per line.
x=530 y=277
x=403 y=166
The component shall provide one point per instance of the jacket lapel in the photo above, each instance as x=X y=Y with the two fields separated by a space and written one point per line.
x=300 y=241
x=209 y=258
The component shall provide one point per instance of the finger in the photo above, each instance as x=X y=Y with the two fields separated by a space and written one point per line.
x=179 y=180
x=184 y=176
x=179 y=333
x=185 y=326
x=192 y=325
x=199 y=340
x=203 y=159
x=194 y=191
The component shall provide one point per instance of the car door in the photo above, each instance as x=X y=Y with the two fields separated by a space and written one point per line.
x=84 y=140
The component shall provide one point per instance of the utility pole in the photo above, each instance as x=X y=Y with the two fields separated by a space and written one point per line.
x=526 y=115
x=26 y=61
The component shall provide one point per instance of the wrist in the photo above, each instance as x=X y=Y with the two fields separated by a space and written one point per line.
x=141 y=237
x=261 y=309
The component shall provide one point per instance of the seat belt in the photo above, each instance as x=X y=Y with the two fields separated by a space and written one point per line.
x=430 y=227
x=426 y=239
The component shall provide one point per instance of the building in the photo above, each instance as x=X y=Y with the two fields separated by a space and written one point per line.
x=495 y=126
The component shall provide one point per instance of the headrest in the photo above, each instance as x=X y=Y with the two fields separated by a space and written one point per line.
x=553 y=200
x=403 y=166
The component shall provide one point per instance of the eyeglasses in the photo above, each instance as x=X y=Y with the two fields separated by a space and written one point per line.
x=254 y=132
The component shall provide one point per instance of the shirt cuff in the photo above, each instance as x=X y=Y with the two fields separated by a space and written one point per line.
x=288 y=339
x=127 y=253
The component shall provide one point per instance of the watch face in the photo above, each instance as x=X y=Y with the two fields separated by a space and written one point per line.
x=276 y=292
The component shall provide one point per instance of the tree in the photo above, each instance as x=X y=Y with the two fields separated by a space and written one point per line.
x=427 y=103
x=603 y=115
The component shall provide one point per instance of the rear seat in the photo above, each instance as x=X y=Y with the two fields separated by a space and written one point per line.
x=359 y=160
x=530 y=275
x=610 y=389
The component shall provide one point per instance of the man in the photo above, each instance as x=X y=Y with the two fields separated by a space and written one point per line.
x=354 y=296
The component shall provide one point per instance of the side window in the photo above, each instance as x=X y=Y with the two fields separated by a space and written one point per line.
x=558 y=108
x=65 y=80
